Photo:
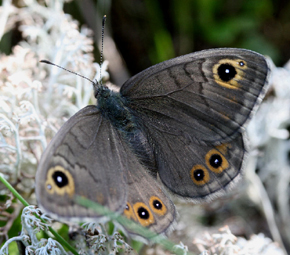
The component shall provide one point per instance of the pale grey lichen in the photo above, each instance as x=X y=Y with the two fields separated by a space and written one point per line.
x=268 y=133
x=36 y=99
x=226 y=243
x=31 y=225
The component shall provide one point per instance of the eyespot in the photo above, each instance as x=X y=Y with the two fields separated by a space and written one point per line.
x=143 y=213
x=228 y=72
x=215 y=161
x=242 y=63
x=59 y=181
x=157 y=206
x=199 y=175
x=128 y=212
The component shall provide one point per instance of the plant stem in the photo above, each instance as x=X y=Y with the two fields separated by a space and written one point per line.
x=25 y=203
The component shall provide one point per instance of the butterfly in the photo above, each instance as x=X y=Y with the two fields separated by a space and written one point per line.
x=176 y=126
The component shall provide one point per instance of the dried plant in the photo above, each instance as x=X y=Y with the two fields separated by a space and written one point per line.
x=35 y=99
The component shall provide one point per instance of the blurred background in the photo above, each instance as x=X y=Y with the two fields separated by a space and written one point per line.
x=147 y=32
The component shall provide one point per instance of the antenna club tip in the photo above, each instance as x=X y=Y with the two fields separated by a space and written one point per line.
x=104 y=21
x=46 y=62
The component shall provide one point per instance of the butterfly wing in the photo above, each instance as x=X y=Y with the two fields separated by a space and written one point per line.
x=88 y=157
x=206 y=96
x=197 y=171
x=85 y=158
x=193 y=109
x=147 y=204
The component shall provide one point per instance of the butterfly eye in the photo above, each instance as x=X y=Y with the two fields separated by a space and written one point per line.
x=144 y=214
x=215 y=161
x=157 y=206
x=59 y=181
x=199 y=175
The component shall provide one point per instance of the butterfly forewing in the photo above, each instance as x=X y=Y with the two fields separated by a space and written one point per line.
x=207 y=96
x=83 y=159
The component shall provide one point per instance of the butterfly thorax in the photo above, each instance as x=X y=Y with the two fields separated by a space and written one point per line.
x=114 y=107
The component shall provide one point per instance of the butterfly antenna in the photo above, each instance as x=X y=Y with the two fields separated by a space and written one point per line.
x=96 y=84
x=102 y=47
x=50 y=63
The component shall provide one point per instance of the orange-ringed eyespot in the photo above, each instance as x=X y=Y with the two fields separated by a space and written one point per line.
x=128 y=212
x=143 y=213
x=242 y=63
x=226 y=72
x=198 y=174
x=60 y=179
x=215 y=160
x=157 y=204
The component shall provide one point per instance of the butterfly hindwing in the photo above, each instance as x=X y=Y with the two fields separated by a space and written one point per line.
x=147 y=204
x=197 y=171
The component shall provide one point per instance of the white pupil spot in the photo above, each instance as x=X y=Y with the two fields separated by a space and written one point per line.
x=227 y=71
x=59 y=179
x=49 y=186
